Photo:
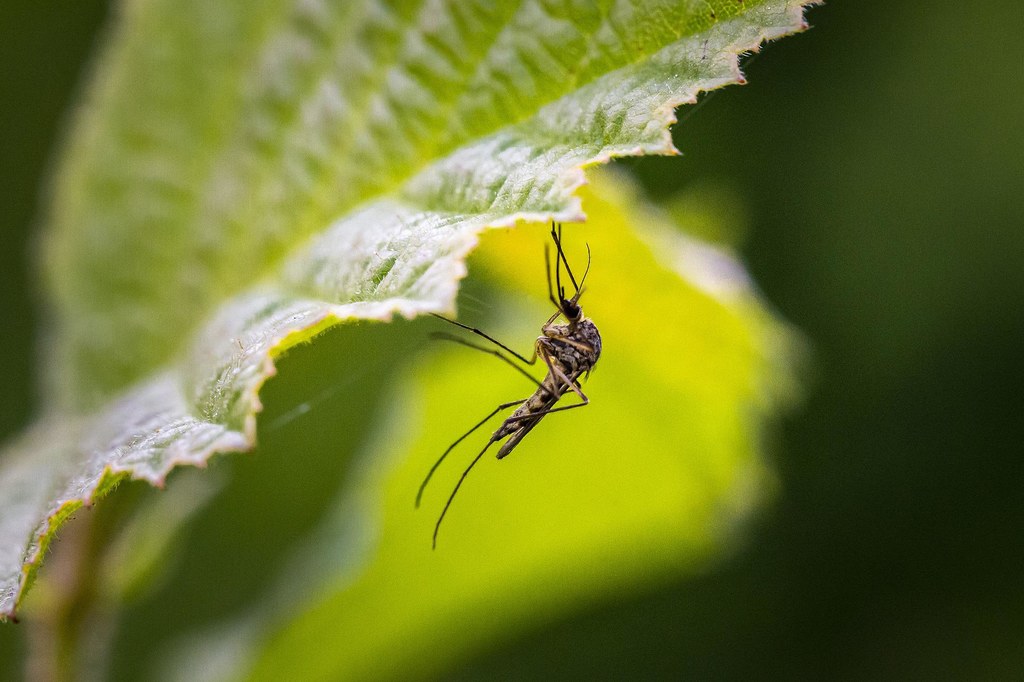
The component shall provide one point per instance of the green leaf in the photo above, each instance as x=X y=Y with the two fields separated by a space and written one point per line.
x=245 y=175
x=654 y=478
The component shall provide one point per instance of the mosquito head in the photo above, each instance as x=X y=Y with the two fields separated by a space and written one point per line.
x=568 y=306
x=571 y=310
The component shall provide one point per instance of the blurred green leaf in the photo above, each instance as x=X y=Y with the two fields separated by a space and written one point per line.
x=245 y=175
x=654 y=477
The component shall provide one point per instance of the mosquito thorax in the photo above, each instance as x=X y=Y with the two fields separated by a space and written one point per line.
x=576 y=345
x=586 y=332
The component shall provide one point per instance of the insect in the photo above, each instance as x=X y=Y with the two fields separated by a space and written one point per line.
x=569 y=350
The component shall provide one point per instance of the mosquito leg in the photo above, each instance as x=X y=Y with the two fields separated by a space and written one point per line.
x=557 y=238
x=572 y=385
x=490 y=351
x=547 y=330
x=560 y=375
x=551 y=292
x=561 y=254
x=458 y=485
x=556 y=371
x=499 y=408
x=566 y=381
x=493 y=340
x=579 y=345
x=540 y=413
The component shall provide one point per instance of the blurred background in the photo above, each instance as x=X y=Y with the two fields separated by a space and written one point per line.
x=878 y=163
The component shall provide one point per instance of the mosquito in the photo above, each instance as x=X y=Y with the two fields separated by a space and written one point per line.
x=569 y=350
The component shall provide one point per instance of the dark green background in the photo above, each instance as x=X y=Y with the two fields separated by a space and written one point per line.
x=880 y=156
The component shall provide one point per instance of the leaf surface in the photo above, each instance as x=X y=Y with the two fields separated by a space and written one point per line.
x=652 y=480
x=244 y=175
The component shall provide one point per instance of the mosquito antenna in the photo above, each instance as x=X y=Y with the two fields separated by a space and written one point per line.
x=579 y=291
x=458 y=485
